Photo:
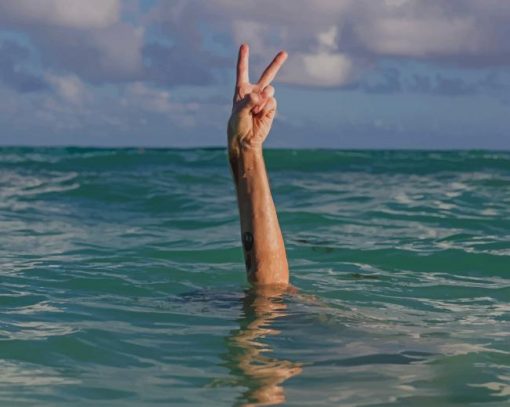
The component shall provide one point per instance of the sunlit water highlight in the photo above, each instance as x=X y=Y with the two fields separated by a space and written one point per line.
x=122 y=280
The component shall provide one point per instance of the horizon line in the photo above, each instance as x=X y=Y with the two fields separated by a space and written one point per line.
x=218 y=147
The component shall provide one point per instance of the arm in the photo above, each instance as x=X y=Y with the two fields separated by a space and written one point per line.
x=264 y=250
x=252 y=116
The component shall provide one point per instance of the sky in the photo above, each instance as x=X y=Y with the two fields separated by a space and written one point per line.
x=419 y=74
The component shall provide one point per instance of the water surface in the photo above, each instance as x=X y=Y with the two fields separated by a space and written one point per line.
x=122 y=280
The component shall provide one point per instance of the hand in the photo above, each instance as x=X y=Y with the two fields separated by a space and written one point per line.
x=254 y=105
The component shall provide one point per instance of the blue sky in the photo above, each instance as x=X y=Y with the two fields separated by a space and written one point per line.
x=360 y=74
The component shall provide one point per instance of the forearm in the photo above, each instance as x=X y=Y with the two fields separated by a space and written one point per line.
x=263 y=246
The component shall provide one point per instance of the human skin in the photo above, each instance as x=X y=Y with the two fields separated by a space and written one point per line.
x=253 y=112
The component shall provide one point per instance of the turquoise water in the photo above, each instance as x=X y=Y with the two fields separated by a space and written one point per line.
x=122 y=280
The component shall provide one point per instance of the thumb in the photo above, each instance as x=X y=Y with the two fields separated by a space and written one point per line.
x=246 y=104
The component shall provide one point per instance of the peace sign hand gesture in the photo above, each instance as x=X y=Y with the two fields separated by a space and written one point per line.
x=254 y=105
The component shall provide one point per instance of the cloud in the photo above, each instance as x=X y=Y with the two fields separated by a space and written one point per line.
x=94 y=41
x=69 y=88
x=441 y=85
x=140 y=96
x=13 y=57
x=134 y=114
x=76 y=14
x=85 y=38
x=122 y=66
x=319 y=69
x=457 y=31
x=111 y=54
x=178 y=65
x=390 y=81
x=332 y=42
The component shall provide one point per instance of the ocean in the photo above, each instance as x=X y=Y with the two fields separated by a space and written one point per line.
x=123 y=283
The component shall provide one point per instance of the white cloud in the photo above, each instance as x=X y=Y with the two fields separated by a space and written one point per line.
x=63 y=13
x=320 y=69
x=331 y=41
x=419 y=37
x=147 y=98
x=325 y=67
x=83 y=114
x=83 y=37
x=69 y=88
x=120 y=49
x=328 y=38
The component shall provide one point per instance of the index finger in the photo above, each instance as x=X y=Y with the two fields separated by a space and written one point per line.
x=269 y=74
x=242 y=65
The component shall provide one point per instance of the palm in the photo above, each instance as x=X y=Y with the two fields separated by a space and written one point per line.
x=254 y=106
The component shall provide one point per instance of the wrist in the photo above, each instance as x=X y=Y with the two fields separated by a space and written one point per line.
x=238 y=148
x=244 y=160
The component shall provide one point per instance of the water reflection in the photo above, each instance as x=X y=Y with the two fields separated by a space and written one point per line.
x=248 y=355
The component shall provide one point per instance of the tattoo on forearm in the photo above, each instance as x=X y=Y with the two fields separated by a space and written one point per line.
x=247 y=241
x=248 y=245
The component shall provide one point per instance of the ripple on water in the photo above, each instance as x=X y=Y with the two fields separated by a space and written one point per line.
x=123 y=281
